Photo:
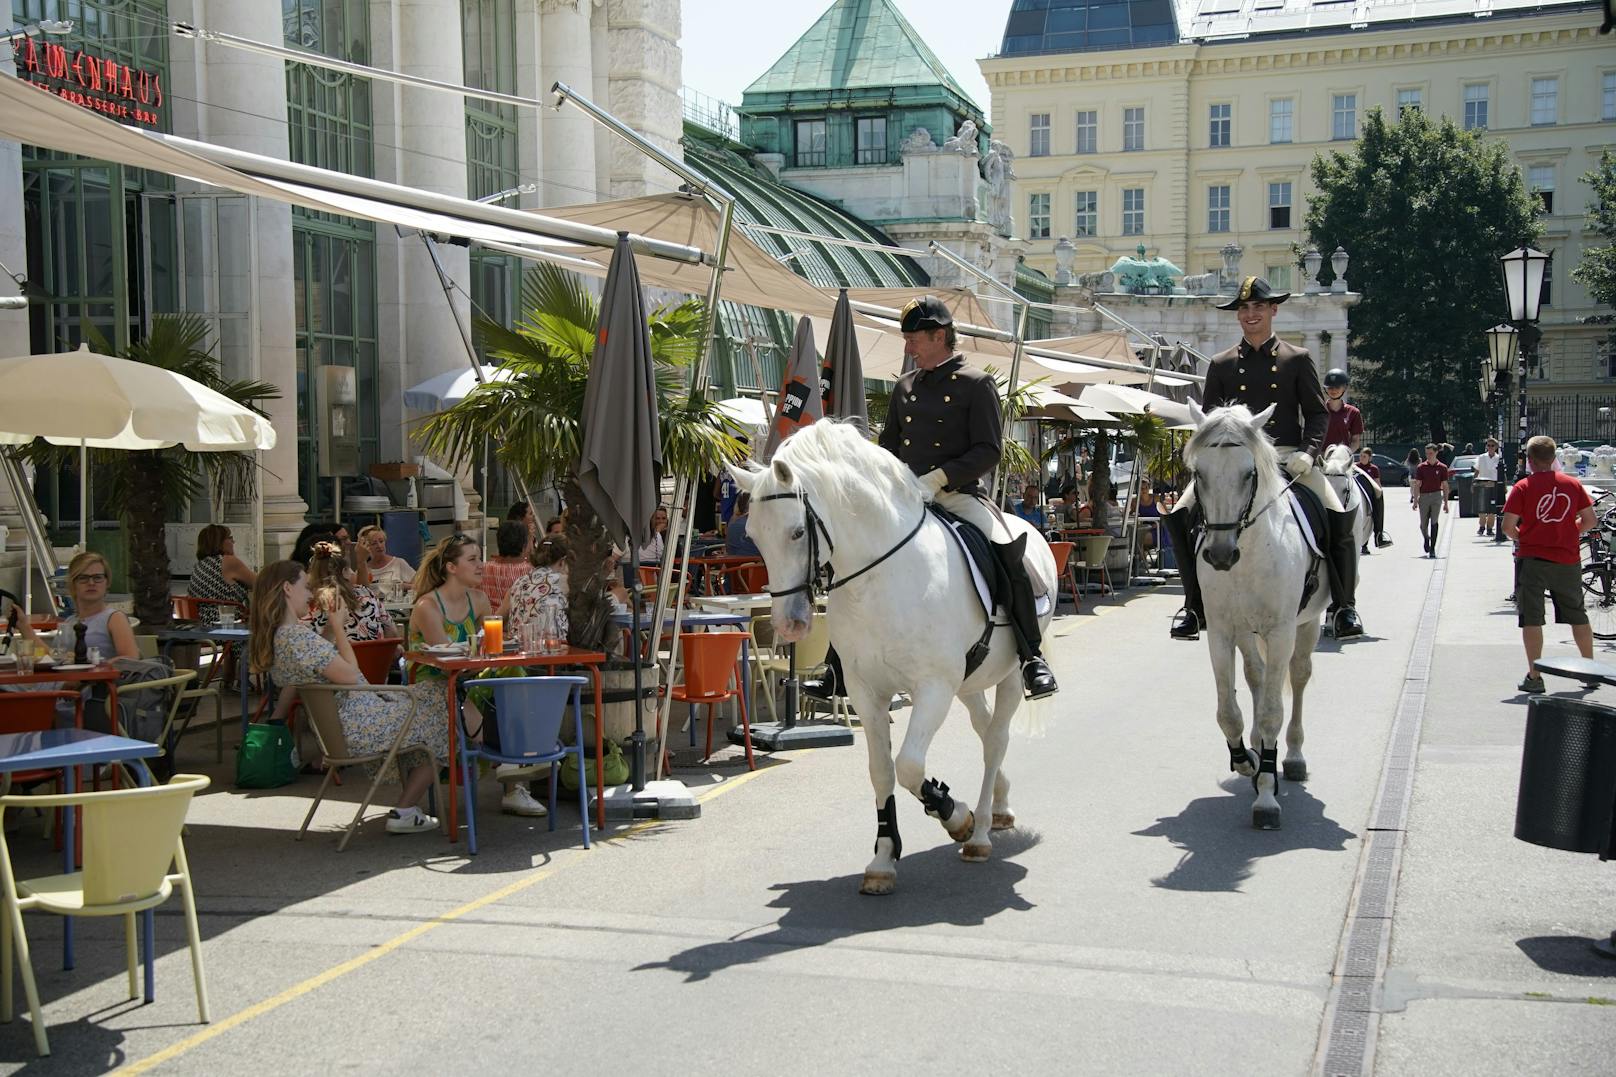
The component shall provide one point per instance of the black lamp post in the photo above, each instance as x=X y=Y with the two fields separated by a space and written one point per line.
x=1523 y=287
x=1502 y=350
x=1610 y=17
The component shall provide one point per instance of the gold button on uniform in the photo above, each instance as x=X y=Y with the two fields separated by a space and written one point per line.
x=1242 y=388
x=937 y=445
x=906 y=441
x=947 y=399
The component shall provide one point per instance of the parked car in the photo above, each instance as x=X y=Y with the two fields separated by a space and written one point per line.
x=1392 y=472
x=1464 y=473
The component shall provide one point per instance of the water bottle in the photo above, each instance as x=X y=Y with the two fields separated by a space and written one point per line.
x=81 y=652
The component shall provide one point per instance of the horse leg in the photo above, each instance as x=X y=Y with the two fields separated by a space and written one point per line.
x=1278 y=648
x=925 y=718
x=1220 y=642
x=881 y=874
x=1307 y=638
x=993 y=726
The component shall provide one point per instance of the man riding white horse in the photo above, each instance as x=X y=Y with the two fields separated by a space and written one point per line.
x=944 y=422
x=1259 y=372
x=1346 y=427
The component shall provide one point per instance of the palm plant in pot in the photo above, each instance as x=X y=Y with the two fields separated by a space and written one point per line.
x=533 y=418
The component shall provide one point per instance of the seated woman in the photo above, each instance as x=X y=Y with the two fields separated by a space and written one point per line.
x=331 y=580
x=219 y=574
x=384 y=567
x=651 y=552
x=499 y=572
x=736 y=541
x=449 y=608
x=293 y=653
x=543 y=587
x=105 y=629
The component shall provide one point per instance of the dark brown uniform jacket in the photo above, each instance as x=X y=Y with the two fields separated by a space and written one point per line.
x=1277 y=373
x=946 y=418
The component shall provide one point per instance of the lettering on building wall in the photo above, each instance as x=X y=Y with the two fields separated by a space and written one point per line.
x=89 y=81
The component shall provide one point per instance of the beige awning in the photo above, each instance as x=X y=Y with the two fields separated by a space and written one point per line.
x=1128 y=400
x=1110 y=346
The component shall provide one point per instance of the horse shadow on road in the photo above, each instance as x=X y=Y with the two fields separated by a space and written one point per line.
x=934 y=887
x=1220 y=847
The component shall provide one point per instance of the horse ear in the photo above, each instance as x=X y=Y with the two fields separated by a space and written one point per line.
x=1196 y=414
x=1260 y=420
x=744 y=477
x=782 y=472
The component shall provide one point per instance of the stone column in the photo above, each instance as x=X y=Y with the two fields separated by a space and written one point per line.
x=13 y=236
x=242 y=104
x=566 y=55
x=533 y=82
x=643 y=91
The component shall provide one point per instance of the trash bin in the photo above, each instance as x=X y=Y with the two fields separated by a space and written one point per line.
x=1465 y=485
x=1567 y=797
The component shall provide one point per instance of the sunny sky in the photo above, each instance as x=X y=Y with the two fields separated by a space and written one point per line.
x=728 y=43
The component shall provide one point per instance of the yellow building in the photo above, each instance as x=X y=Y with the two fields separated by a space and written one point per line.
x=1189 y=128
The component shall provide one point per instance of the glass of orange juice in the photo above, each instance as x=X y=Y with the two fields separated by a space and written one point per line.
x=493 y=635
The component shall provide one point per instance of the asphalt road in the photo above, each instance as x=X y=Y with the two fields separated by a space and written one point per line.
x=1133 y=923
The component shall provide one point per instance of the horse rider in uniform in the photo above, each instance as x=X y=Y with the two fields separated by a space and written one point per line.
x=1263 y=370
x=944 y=422
x=1346 y=428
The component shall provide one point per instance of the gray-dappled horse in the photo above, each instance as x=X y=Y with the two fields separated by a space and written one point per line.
x=1254 y=596
x=836 y=512
x=1340 y=472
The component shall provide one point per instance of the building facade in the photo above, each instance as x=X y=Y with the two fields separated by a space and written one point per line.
x=1191 y=129
x=289 y=291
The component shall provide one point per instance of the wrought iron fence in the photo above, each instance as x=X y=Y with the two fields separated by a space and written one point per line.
x=1586 y=416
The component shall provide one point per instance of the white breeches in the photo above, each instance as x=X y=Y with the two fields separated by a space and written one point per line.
x=978 y=512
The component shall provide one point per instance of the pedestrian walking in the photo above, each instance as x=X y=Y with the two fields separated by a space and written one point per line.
x=1428 y=493
x=1486 y=487
x=1546 y=514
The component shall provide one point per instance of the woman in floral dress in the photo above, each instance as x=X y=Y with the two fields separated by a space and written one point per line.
x=543 y=587
x=293 y=653
x=331 y=580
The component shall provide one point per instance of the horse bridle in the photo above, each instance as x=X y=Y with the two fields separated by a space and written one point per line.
x=1246 y=517
x=820 y=574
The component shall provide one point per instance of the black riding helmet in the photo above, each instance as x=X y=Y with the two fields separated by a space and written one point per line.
x=1337 y=379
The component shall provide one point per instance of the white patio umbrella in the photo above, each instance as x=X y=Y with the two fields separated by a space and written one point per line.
x=1129 y=400
x=449 y=388
x=118 y=404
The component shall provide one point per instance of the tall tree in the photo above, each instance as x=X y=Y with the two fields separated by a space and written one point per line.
x=1597 y=270
x=1425 y=210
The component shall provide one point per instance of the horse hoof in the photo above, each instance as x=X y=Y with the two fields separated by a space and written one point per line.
x=878 y=883
x=972 y=853
x=1004 y=820
x=1265 y=818
x=966 y=828
x=1295 y=771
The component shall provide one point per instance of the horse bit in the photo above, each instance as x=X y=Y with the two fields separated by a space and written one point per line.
x=820 y=575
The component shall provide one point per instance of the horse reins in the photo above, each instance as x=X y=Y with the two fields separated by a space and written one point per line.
x=820 y=574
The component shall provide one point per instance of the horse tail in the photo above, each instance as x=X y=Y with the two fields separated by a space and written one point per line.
x=1032 y=718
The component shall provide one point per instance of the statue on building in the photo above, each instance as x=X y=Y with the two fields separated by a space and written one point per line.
x=964 y=140
x=1145 y=276
x=998 y=169
x=919 y=141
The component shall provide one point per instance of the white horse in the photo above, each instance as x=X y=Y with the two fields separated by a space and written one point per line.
x=1341 y=473
x=1254 y=596
x=902 y=613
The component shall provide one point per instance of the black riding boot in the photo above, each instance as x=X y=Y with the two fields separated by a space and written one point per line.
x=1377 y=508
x=1342 y=560
x=831 y=686
x=1193 y=616
x=1022 y=607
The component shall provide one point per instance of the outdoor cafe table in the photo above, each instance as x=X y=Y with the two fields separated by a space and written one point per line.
x=456 y=665
x=67 y=750
x=171 y=634
x=102 y=674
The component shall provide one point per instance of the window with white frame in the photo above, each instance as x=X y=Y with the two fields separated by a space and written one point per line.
x=1086 y=222
x=1133 y=211
x=1038 y=216
x=1607 y=88
x=1281 y=113
x=1279 y=205
x=1540 y=182
x=1475 y=106
x=1279 y=277
x=1344 y=116
x=1038 y=135
x=1133 y=128
x=1545 y=101
x=1220 y=123
x=1409 y=98
x=1217 y=208
x=1088 y=132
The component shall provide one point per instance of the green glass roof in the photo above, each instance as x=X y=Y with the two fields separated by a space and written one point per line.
x=857 y=45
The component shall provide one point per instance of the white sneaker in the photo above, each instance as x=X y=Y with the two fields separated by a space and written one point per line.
x=410 y=821
x=518 y=801
x=510 y=772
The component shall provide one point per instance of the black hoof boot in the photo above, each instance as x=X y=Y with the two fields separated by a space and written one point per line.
x=1347 y=623
x=1037 y=678
x=1186 y=625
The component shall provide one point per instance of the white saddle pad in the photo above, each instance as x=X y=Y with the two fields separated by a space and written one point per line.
x=1313 y=542
x=1042 y=604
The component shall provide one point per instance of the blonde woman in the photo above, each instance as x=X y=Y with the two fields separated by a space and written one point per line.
x=284 y=646
x=105 y=628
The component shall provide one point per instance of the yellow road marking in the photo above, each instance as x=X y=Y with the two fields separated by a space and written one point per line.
x=336 y=972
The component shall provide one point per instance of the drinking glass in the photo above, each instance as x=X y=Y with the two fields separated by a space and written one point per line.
x=227 y=616
x=494 y=634
x=550 y=641
x=532 y=639
x=25 y=660
x=93 y=656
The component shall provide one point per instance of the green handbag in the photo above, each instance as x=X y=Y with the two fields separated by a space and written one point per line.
x=264 y=760
x=616 y=769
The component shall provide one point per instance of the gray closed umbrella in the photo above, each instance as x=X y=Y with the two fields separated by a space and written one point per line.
x=799 y=403
x=842 y=378
x=622 y=444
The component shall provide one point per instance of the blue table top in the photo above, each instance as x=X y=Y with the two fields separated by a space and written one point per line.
x=68 y=748
x=690 y=619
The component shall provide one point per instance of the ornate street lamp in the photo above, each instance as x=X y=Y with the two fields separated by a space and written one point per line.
x=1503 y=344
x=1610 y=17
x=1523 y=282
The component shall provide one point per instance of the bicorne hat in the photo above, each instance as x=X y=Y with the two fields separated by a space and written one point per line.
x=924 y=312
x=1254 y=289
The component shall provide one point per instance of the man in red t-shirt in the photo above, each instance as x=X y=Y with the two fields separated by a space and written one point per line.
x=1546 y=514
x=1428 y=492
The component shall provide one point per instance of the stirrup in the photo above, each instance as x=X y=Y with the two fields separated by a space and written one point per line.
x=1187 y=626
x=1038 y=679
x=1347 y=623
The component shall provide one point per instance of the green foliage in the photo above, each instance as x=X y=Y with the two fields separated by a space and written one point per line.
x=1425 y=210
x=1597 y=270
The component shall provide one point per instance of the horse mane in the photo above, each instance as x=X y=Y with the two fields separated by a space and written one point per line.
x=1234 y=423
x=1338 y=460
x=842 y=472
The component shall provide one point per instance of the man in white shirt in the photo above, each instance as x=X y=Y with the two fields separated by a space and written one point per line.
x=1486 y=486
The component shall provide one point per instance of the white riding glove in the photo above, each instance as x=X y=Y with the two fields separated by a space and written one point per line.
x=1299 y=464
x=934 y=481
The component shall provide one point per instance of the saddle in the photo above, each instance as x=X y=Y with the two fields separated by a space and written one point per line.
x=992 y=584
x=1310 y=515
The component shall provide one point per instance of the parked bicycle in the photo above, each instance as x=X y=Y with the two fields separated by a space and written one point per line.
x=1599 y=570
